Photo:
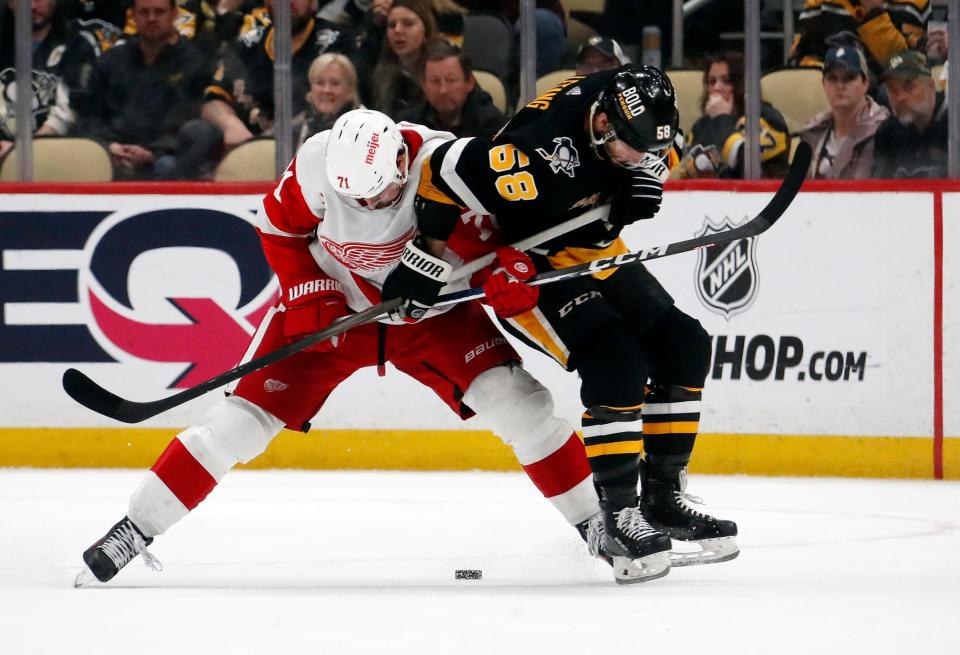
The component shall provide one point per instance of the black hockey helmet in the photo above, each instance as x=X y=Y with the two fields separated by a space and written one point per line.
x=641 y=105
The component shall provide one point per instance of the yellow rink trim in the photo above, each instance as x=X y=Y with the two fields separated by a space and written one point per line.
x=458 y=450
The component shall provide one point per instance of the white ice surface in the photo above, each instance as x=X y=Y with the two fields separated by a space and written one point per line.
x=363 y=562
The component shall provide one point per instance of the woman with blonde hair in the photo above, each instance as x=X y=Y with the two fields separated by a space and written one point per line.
x=333 y=91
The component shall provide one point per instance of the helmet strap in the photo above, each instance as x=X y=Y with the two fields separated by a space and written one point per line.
x=595 y=142
x=402 y=175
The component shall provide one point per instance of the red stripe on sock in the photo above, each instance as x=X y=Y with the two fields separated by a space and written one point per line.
x=184 y=475
x=561 y=470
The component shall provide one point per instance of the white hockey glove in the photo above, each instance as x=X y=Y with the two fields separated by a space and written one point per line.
x=417 y=279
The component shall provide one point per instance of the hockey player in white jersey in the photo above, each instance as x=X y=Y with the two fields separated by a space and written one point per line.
x=338 y=222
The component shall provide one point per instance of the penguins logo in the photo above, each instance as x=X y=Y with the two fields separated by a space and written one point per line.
x=564 y=157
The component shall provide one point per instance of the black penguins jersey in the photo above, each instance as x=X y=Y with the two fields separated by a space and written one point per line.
x=538 y=171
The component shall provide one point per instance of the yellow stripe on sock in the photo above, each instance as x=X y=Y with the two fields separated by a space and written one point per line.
x=672 y=427
x=617 y=448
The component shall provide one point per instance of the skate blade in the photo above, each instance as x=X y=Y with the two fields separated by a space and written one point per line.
x=642 y=569
x=84 y=578
x=710 y=551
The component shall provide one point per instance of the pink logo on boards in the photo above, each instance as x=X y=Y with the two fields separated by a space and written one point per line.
x=367 y=257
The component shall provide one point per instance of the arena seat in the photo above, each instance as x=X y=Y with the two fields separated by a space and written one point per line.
x=797 y=93
x=937 y=73
x=492 y=85
x=688 y=85
x=253 y=160
x=586 y=6
x=550 y=80
x=488 y=39
x=59 y=159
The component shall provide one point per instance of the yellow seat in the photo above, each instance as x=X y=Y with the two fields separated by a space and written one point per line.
x=253 y=160
x=937 y=73
x=62 y=160
x=492 y=85
x=550 y=80
x=797 y=93
x=588 y=6
x=689 y=86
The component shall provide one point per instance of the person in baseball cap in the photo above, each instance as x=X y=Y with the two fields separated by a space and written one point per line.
x=600 y=53
x=842 y=138
x=912 y=142
x=910 y=88
x=846 y=57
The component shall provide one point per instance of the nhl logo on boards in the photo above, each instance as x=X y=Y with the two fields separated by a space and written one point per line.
x=726 y=274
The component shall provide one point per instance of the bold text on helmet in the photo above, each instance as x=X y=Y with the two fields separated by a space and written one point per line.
x=630 y=103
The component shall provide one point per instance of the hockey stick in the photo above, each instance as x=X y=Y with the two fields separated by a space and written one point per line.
x=91 y=395
x=757 y=225
x=595 y=214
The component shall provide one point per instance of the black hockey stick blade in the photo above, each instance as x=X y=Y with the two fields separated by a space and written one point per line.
x=92 y=396
x=769 y=215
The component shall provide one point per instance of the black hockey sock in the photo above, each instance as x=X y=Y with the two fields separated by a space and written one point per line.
x=613 y=450
x=671 y=420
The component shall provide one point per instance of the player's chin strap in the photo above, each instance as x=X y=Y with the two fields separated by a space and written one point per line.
x=650 y=161
x=606 y=137
x=400 y=179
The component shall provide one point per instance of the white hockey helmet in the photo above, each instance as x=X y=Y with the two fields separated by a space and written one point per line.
x=362 y=152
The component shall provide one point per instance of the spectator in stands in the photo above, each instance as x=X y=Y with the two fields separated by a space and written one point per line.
x=452 y=99
x=411 y=28
x=884 y=26
x=239 y=100
x=937 y=43
x=716 y=139
x=842 y=138
x=600 y=53
x=62 y=63
x=196 y=21
x=913 y=142
x=333 y=91
x=145 y=99
x=550 y=22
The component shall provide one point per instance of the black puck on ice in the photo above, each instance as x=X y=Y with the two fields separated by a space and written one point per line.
x=468 y=574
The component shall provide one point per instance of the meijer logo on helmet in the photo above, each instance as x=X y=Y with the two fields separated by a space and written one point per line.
x=372 y=146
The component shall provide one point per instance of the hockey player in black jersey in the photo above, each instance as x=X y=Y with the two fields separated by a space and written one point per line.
x=604 y=138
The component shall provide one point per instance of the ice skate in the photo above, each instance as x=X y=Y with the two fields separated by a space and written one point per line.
x=106 y=557
x=591 y=531
x=623 y=539
x=666 y=505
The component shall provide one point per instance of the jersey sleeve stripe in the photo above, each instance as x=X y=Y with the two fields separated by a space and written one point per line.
x=448 y=173
x=265 y=225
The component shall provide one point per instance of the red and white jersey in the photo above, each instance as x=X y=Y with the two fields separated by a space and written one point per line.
x=305 y=224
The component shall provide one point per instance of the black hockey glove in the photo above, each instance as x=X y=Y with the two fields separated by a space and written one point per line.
x=417 y=279
x=638 y=198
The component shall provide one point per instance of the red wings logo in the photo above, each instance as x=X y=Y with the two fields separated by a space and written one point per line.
x=368 y=257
